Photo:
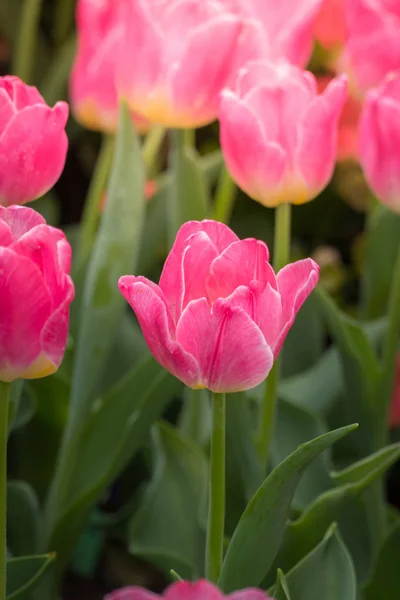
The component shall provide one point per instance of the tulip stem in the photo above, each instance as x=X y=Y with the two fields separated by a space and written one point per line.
x=5 y=391
x=25 y=51
x=225 y=196
x=268 y=409
x=91 y=212
x=216 y=506
x=151 y=147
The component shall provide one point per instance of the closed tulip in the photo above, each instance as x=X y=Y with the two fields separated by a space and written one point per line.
x=380 y=141
x=219 y=315
x=278 y=135
x=92 y=87
x=372 y=48
x=186 y=590
x=175 y=57
x=35 y=294
x=33 y=143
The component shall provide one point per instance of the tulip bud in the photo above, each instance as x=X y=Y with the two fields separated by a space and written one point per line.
x=278 y=136
x=33 y=143
x=380 y=141
x=187 y=590
x=35 y=294
x=219 y=316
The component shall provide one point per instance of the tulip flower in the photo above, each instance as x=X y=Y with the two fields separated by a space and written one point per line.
x=288 y=26
x=372 y=48
x=186 y=590
x=219 y=315
x=92 y=86
x=35 y=294
x=379 y=143
x=175 y=57
x=33 y=143
x=278 y=136
x=330 y=26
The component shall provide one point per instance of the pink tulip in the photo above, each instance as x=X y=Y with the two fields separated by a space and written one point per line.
x=219 y=315
x=330 y=26
x=288 y=25
x=33 y=143
x=380 y=141
x=186 y=590
x=92 y=86
x=373 y=46
x=176 y=56
x=278 y=136
x=35 y=293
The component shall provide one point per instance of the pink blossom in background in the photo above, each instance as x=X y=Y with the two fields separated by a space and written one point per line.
x=372 y=48
x=35 y=294
x=330 y=25
x=92 y=86
x=33 y=143
x=347 y=142
x=379 y=147
x=219 y=315
x=186 y=590
x=288 y=26
x=278 y=135
x=175 y=57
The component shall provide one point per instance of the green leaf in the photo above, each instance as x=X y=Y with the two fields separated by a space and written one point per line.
x=385 y=582
x=369 y=468
x=23 y=519
x=189 y=195
x=114 y=254
x=108 y=440
x=23 y=574
x=294 y=426
x=327 y=572
x=281 y=591
x=256 y=539
x=168 y=527
x=23 y=403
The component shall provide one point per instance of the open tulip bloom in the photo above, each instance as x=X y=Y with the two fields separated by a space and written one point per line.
x=220 y=314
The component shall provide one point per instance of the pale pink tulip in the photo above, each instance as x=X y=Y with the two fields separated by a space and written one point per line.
x=330 y=26
x=379 y=145
x=288 y=26
x=372 y=49
x=219 y=315
x=92 y=86
x=186 y=590
x=33 y=143
x=176 y=56
x=278 y=136
x=35 y=294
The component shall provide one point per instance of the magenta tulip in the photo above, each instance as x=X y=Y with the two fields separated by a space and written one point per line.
x=33 y=143
x=92 y=86
x=379 y=137
x=278 y=135
x=35 y=294
x=219 y=315
x=186 y=590
x=175 y=57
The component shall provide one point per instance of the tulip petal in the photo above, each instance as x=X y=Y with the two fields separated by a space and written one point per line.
x=198 y=590
x=230 y=349
x=32 y=152
x=239 y=264
x=25 y=306
x=7 y=109
x=196 y=262
x=257 y=165
x=316 y=150
x=55 y=331
x=295 y=283
x=132 y=593
x=171 y=280
x=6 y=236
x=151 y=311
x=249 y=594
x=20 y=219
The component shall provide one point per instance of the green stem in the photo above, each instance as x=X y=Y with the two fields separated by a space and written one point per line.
x=5 y=389
x=268 y=408
x=190 y=137
x=389 y=355
x=91 y=212
x=25 y=51
x=216 y=507
x=151 y=147
x=63 y=19
x=225 y=196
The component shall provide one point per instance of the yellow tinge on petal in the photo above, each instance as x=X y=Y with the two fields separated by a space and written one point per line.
x=297 y=193
x=157 y=109
x=88 y=115
x=42 y=367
